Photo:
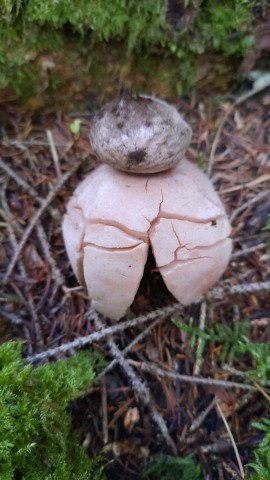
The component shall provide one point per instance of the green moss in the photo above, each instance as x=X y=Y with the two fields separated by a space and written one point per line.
x=261 y=465
x=35 y=27
x=224 y=26
x=20 y=44
x=169 y=468
x=266 y=228
x=35 y=438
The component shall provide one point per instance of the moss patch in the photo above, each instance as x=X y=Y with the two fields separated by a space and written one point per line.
x=35 y=438
x=78 y=32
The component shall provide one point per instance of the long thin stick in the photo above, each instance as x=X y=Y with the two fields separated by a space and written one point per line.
x=106 y=332
x=36 y=217
x=129 y=347
x=141 y=389
x=230 y=110
x=239 y=373
x=153 y=370
x=232 y=440
x=30 y=305
x=260 y=196
x=201 y=342
x=216 y=293
x=30 y=190
x=54 y=153
x=220 y=292
x=104 y=407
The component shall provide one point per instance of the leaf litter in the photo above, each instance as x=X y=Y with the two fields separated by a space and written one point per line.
x=168 y=385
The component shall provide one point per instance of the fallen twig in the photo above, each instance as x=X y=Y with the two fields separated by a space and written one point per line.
x=238 y=373
x=232 y=440
x=202 y=416
x=230 y=110
x=217 y=139
x=54 y=153
x=200 y=343
x=129 y=347
x=262 y=391
x=250 y=202
x=220 y=292
x=29 y=303
x=247 y=251
x=30 y=190
x=140 y=389
x=36 y=217
x=57 y=274
x=22 y=183
x=154 y=370
x=216 y=293
x=104 y=407
x=107 y=331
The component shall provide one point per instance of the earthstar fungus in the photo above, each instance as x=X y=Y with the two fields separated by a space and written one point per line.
x=114 y=216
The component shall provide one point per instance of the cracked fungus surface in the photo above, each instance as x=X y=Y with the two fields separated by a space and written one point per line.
x=113 y=217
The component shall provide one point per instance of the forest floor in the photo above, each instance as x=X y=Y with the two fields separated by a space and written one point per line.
x=179 y=380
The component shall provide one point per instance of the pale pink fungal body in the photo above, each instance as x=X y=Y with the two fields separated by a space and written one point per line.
x=114 y=217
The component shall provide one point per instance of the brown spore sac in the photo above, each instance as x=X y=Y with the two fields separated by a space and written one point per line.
x=135 y=134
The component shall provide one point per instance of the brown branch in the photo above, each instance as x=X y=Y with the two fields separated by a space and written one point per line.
x=216 y=293
x=232 y=440
x=141 y=389
x=54 y=153
x=129 y=347
x=22 y=183
x=31 y=191
x=241 y=99
x=202 y=416
x=260 y=196
x=247 y=251
x=200 y=343
x=217 y=139
x=220 y=292
x=104 y=407
x=153 y=370
x=36 y=217
x=238 y=373
x=29 y=303
x=46 y=249
x=106 y=332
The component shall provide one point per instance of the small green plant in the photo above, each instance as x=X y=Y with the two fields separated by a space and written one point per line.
x=200 y=161
x=234 y=345
x=74 y=126
x=35 y=438
x=260 y=355
x=220 y=334
x=266 y=228
x=261 y=466
x=170 y=468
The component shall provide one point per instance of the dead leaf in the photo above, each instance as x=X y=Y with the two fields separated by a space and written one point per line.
x=131 y=418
